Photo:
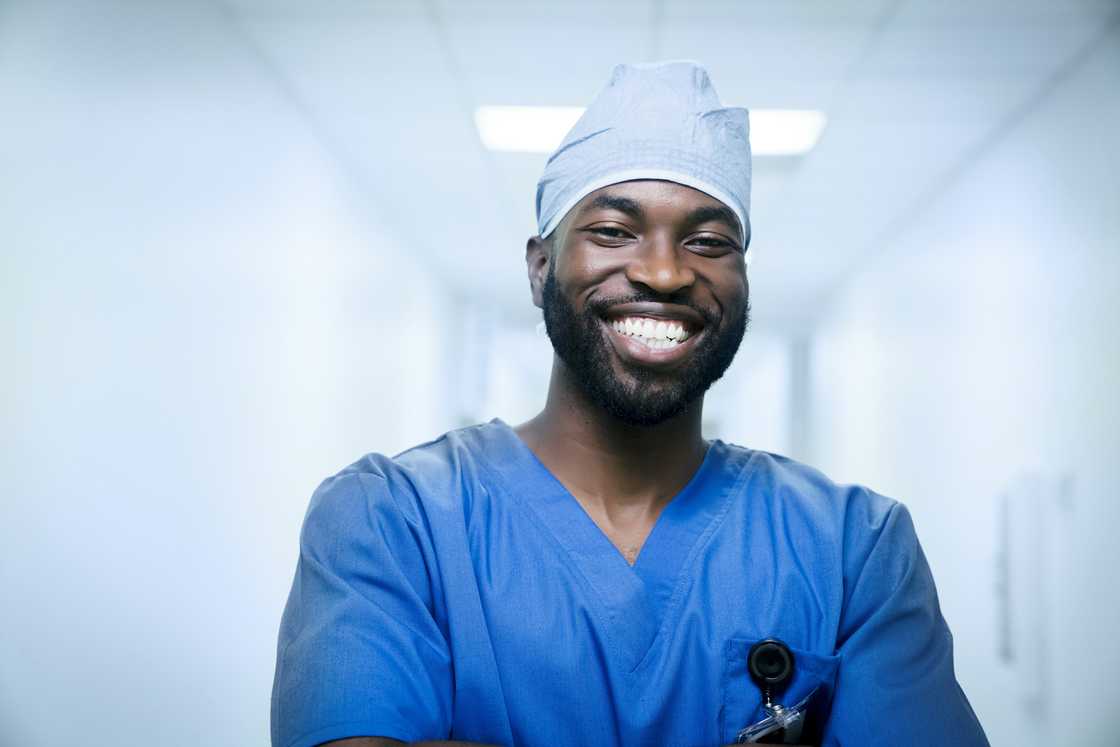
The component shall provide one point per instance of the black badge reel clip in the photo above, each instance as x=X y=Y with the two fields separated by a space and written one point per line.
x=771 y=666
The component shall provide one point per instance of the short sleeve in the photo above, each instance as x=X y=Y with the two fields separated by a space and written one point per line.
x=896 y=683
x=360 y=653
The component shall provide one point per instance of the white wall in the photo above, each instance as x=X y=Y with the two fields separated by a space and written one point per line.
x=750 y=405
x=201 y=319
x=978 y=350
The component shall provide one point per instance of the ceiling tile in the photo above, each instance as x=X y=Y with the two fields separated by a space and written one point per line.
x=558 y=64
x=884 y=98
x=966 y=50
x=1002 y=12
x=536 y=16
x=330 y=9
x=784 y=66
x=715 y=13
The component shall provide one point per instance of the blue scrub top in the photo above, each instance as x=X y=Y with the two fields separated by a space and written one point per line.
x=459 y=591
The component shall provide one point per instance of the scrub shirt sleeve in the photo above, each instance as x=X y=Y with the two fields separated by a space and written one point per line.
x=896 y=683
x=360 y=653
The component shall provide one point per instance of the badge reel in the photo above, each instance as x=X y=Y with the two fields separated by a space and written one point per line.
x=771 y=666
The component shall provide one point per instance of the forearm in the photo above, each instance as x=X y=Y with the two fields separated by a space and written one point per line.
x=387 y=742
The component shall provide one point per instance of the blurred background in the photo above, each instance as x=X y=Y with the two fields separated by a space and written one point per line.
x=244 y=242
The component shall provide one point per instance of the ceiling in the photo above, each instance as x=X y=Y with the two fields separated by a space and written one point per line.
x=913 y=91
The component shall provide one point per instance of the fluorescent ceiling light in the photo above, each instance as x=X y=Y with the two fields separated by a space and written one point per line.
x=525 y=129
x=785 y=132
x=540 y=129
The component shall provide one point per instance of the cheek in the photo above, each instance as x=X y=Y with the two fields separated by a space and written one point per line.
x=579 y=267
x=731 y=289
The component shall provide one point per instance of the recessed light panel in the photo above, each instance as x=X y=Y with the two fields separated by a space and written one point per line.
x=540 y=129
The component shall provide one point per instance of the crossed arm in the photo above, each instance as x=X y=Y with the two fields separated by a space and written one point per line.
x=387 y=742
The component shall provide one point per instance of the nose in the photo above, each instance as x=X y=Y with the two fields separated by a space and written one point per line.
x=658 y=265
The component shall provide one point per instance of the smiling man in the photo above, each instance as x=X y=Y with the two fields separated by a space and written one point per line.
x=603 y=574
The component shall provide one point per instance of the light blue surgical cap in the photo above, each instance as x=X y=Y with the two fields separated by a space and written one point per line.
x=660 y=120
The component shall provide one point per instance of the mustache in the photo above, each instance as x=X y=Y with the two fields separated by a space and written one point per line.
x=600 y=306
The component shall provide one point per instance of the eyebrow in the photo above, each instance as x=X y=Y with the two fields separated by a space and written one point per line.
x=621 y=204
x=713 y=213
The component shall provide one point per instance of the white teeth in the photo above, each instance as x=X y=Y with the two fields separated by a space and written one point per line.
x=654 y=333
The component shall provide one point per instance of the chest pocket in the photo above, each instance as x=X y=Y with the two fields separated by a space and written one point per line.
x=742 y=698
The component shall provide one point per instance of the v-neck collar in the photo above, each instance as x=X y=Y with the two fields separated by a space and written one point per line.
x=640 y=600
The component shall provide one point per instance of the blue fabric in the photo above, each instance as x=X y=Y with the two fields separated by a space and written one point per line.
x=459 y=591
x=660 y=120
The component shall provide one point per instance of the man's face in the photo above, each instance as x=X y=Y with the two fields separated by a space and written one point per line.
x=645 y=296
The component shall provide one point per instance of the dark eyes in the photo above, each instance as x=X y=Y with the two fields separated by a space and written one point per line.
x=711 y=243
x=609 y=232
x=706 y=244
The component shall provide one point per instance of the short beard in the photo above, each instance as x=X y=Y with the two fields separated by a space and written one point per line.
x=649 y=397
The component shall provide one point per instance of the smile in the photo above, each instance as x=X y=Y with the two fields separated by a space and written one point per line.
x=652 y=342
x=656 y=334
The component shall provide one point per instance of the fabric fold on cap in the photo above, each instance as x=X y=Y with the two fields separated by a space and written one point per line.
x=655 y=121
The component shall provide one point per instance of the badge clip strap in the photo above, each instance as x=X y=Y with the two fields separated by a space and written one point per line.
x=778 y=717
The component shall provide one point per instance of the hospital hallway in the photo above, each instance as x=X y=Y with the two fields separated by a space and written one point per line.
x=245 y=242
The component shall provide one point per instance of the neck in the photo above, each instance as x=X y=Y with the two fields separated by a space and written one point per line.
x=606 y=460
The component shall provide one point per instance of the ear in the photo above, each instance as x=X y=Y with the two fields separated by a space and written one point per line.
x=538 y=253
